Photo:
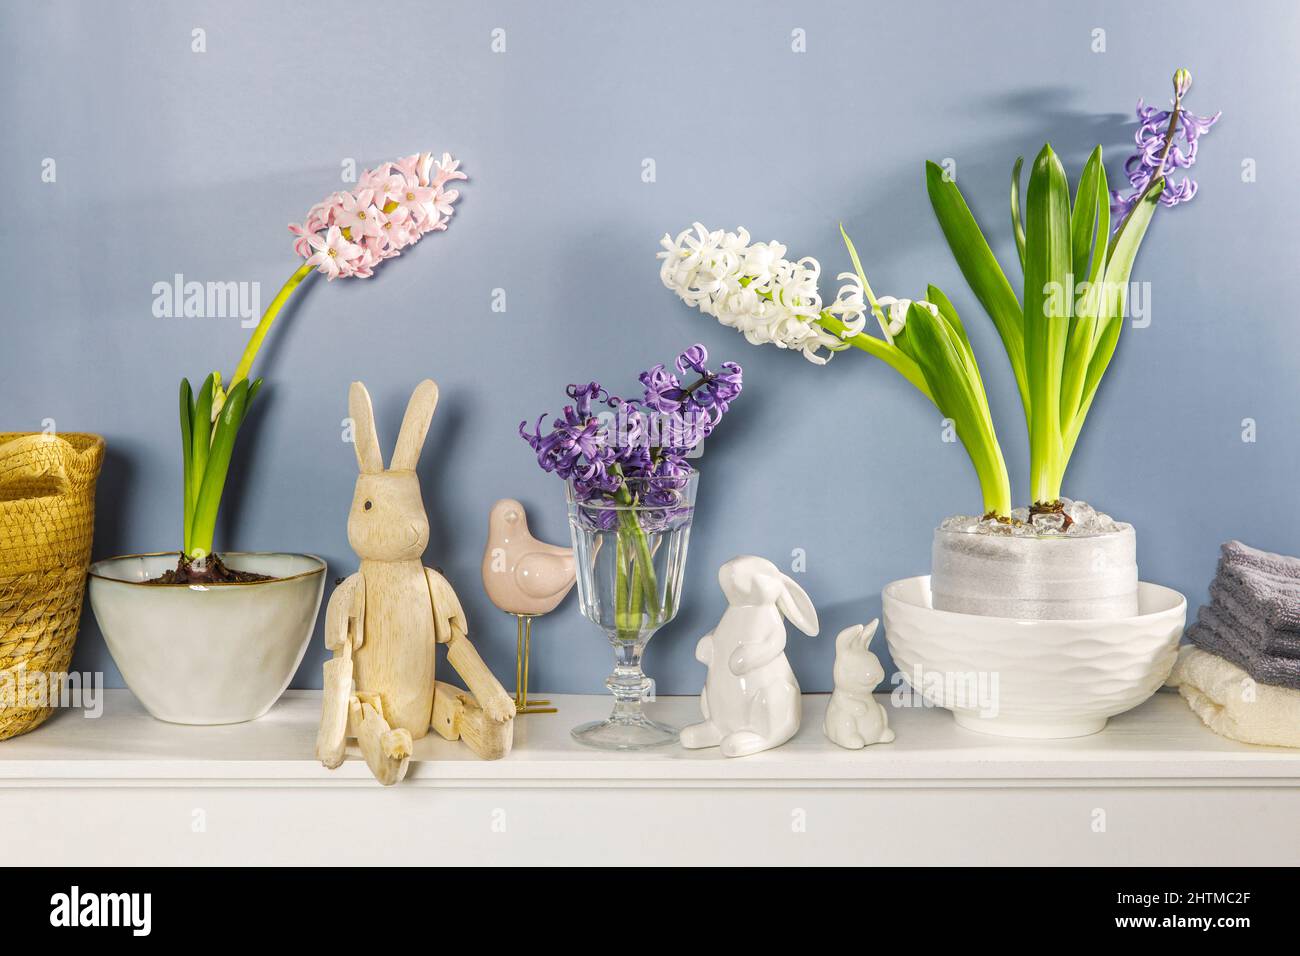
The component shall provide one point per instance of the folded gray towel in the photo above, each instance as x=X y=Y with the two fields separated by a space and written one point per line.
x=1273 y=599
x=1213 y=633
x=1236 y=554
x=1254 y=623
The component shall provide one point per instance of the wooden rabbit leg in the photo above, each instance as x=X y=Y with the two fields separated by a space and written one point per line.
x=457 y=716
x=387 y=751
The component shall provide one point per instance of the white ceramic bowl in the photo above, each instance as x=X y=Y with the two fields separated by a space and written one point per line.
x=214 y=654
x=1024 y=678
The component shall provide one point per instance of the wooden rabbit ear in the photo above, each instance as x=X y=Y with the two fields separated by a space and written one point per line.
x=415 y=426
x=797 y=607
x=364 y=436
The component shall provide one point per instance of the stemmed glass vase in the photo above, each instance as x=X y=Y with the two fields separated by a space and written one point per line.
x=631 y=553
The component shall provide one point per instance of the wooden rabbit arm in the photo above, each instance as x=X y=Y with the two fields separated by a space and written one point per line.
x=449 y=622
x=487 y=690
x=346 y=614
x=344 y=626
x=448 y=616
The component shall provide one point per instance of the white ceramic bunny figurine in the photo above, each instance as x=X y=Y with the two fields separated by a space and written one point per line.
x=854 y=718
x=751 y=699
x=384 y=622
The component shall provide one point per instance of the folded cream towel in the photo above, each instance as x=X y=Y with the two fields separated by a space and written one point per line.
x=1232 y=704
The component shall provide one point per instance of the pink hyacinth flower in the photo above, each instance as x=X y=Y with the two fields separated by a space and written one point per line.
x=334 y=255
x=349 y=233
x=358 y=215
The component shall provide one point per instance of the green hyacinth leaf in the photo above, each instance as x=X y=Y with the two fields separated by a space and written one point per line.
x=1047 y=315
x=1017 y=218
x=1090 y=231
x=948 y=312
x=1110 y=322
x=254 y=387
x=218 y=464
x=960 y=397
x=1083 y=218
x=981 y=269
x=187 y=423
x=201 y=433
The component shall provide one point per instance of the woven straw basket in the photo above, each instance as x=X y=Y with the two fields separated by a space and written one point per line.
x=47 y=520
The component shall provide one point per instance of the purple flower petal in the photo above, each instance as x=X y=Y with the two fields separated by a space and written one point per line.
x=1152 y=159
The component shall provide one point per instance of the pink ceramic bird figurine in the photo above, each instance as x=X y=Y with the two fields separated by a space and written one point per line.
x=524 y=577
x=521 y=574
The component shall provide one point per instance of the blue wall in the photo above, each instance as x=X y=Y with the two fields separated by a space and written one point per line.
x=171 y=161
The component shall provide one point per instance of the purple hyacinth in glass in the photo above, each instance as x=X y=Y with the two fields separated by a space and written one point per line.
x=631 y=499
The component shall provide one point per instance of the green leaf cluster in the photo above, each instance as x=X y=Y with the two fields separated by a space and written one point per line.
x=1061 y=333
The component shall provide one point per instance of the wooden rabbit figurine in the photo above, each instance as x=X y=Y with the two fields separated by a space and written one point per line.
x=384 y=621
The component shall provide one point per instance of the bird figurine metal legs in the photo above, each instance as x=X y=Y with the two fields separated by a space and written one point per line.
x=524 y=644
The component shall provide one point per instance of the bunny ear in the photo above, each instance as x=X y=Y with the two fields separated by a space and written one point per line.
x=364 y=436
x=845 y=638
x=797 y=607
x=870 y=631
x=415 y=426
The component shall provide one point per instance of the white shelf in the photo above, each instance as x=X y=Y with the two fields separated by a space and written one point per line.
x=128 y=788
x=1159 y=742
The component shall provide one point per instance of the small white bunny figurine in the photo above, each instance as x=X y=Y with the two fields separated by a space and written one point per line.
x=751 y=699
x=854 y=718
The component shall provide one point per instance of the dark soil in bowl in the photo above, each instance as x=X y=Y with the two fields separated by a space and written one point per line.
x=210 y=571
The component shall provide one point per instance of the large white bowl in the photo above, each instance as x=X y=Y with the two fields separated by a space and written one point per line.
x=207 y=654
x=1023 y=678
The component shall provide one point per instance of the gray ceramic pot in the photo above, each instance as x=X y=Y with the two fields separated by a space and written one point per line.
x=207 y=654
x=1036 y=577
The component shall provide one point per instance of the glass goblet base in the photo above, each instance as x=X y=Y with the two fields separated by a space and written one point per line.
x=630 y=732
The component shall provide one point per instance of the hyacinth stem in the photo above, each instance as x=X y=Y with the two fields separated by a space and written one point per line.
x=264 y=326
x=1170 y=131
x=939 y=363
x=621 y=594
x=636 y=595
x=210 y=421
x=637 y=592
x=891 y=355
x=888 y=353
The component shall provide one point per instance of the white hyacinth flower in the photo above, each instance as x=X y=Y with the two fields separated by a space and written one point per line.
x=756 y=290
x=850 y=306
x=898 y=314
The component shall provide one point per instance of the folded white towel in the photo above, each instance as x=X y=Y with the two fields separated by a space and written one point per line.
x=1233 y=704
